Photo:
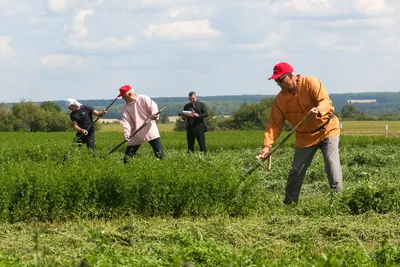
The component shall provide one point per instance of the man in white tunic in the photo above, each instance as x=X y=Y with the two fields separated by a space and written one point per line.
x=136 y=110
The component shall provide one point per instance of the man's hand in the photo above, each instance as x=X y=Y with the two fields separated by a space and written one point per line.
x=313 y=113
x=195 y=115
x=85 y=132
x=154 y=117
x=263 y=153
x=103 y=113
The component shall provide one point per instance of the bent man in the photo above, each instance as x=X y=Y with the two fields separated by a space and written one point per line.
x=136 y=110
x=300 y=97
x=82 y=119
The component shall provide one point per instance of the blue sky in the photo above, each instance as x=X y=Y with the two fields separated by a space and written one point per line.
x=87 y=49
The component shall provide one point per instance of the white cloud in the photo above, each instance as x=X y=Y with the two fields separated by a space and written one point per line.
x=62 y=61
x=6 y=50
x=356 y=23
x=3 y=4
x=78 y=36
x=310 y=7
x=272 y=41
x=373 y=7
x=188 y=12
x=181 y=30
x=57 y=6
x=78 y=29
x=137 y=4
x=109 y=43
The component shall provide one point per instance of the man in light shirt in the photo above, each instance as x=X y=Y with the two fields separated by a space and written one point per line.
x=136 y=110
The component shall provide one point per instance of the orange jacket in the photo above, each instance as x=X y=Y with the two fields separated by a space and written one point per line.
x=294 y=106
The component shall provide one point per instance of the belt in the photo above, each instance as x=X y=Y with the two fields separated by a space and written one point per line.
x=322 y=127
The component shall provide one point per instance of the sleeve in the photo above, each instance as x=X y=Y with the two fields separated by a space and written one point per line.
x=320 y=94
x=90 y=109
x=203 y=111
x=126 y=123
x=274 y=125
x=153 y=106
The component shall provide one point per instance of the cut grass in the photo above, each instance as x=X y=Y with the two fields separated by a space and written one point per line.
x=215 y=241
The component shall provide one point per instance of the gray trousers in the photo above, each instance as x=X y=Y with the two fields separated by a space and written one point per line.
x=302 y=160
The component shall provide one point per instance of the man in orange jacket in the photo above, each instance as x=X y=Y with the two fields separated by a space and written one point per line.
x=300 y=97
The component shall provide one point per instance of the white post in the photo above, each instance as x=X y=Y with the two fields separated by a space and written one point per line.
x=386 y=130
x=341 y=128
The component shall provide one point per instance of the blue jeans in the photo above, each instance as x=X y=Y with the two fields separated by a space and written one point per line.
x=155 y=144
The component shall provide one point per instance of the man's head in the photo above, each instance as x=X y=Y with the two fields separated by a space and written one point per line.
x=127 y=93
x=72 y=104
x=284 y=76
x=192 y=97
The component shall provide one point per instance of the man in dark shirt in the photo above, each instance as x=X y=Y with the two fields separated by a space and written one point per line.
x=194 y=120
x=81 y=117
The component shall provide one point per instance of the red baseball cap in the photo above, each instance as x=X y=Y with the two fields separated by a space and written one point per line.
x=280 y=69
x=124 y=89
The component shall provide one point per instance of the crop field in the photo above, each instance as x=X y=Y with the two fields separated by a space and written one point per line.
x=371 y=128
x=354 y=128
x=65 y=206
x=162 y=127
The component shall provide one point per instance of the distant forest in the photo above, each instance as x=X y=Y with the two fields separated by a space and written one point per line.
x=387 y=103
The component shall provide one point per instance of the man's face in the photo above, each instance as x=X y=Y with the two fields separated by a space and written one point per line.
x=74 y=108
x=287 y=81
x=129 y=98
x=193 y=99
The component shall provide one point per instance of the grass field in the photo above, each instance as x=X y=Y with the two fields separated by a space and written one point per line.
x=372 y=128
x=162 y=127
x=64 y=206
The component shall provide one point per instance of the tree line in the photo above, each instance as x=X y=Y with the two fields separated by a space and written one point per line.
x=31 y=117
x=50 y=117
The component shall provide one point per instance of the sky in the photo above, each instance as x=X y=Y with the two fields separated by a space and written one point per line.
x=87 y=49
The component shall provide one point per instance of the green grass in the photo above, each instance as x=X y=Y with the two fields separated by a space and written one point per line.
x=358 y=128
x=371 y=128
x=60 y=206
x=162 y=127
x=272 y=239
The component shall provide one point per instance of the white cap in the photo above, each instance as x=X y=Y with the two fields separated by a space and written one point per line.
x=71 y=102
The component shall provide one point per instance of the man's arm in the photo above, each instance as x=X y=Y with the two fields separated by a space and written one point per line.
x=79 y=129
x=320 y=94
x=203 y=111
x=153 y=109
x=126 y=124
x=273 y=129
x=99 y=114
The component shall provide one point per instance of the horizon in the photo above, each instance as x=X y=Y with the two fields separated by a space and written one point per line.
x=185 y=97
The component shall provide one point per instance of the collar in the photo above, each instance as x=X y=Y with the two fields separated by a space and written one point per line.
x=298 y=82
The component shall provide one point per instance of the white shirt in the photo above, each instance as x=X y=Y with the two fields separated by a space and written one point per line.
x=134 y=115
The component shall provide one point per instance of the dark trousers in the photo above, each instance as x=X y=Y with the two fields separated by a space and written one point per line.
x=155 y=144
x=197 y=133
x=85 y=139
